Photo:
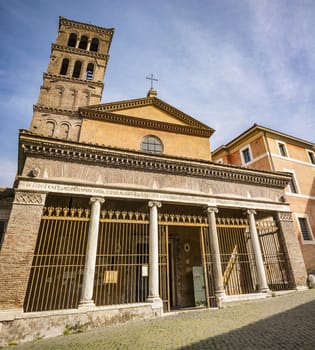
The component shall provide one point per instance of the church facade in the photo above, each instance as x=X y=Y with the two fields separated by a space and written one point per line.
x=119 y=204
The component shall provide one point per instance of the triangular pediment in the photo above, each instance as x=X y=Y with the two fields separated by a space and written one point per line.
x=150 y=109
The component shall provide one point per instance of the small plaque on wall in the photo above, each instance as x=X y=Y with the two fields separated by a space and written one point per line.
x=110 y=276
x=145 y=271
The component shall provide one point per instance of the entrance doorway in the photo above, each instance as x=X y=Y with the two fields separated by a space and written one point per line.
x=186 y=278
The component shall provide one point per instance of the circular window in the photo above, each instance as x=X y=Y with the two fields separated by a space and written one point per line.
x=152 y=144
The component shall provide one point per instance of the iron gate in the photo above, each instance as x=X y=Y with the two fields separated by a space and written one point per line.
x=121 y=274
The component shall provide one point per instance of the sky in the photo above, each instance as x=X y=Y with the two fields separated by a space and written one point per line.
x=227 y=63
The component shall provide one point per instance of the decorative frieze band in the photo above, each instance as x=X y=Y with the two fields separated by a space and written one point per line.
x=29 y=198
x=118 y=158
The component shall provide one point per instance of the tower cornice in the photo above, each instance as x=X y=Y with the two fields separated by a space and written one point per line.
x=58 y=77
x=80 y=52
x=51 y=110
x=86 y=26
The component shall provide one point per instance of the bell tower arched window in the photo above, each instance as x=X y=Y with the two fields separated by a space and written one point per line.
x=152 y=144
x=94 y=45
x=83 y=42
x=89 y=71
x=64 y=66
x=77 y=69
x=72 y=40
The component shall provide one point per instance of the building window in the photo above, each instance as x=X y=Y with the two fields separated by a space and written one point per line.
x=72 y=40
x=94 y=45
x=77 y=70
x=64 y=66
x=311 y=156
x=152 y=144
x=1 y=233
x=83 y=42
x=293 y=187
x=305 y=229
x=89 y=71
x=246 y=155
x=282 y=149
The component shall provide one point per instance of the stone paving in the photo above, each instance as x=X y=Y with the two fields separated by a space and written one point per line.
x=281 y=322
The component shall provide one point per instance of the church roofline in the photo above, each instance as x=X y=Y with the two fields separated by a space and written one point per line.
x=145 y=123
x=45 y=147
x=146 y=101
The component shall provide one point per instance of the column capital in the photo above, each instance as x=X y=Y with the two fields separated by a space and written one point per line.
x=251 y=212
x=212 y=210
x=154 y=204
x=101 y=200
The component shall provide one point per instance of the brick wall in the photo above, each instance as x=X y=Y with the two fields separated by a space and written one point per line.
x=293 y=250
x=18 y=247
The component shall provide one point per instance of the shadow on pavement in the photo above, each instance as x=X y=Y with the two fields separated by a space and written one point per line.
x=293 y=329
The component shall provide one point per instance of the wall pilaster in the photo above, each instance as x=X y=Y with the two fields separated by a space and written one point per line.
x=293 y=249
x=18 y=247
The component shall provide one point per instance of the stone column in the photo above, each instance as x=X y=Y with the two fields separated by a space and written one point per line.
x=88 y=44
x=262 y=280
x=90 y=257
x=18 y=247
x=215 y=253
x=154 y=296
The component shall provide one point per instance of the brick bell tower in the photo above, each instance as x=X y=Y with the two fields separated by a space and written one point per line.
x=74 y=78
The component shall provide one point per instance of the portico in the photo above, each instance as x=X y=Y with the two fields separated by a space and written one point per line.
x=130 y=236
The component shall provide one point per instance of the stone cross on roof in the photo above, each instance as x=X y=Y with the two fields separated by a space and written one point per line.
x=152 y=79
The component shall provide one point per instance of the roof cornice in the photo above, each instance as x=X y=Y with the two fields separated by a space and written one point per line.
x=44 y=109
x=70 y=151
x=143 y=123
x=147 y=101
x=256 y=129
x=58 y=77
x=90 y=27
x=80 y=52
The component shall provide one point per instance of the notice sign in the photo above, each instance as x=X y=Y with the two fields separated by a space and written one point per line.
x=145 y=270
x=110 y=276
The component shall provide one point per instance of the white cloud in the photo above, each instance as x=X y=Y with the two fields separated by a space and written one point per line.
x=8 y=172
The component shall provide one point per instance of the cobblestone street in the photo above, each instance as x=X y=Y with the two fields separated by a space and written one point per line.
x=281 y=322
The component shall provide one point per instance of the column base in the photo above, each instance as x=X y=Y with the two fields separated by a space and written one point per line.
x=156 y=302
x=219 y=296
x=86 y=304
x=265 y=290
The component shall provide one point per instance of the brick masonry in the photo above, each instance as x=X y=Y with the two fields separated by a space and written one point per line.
x=293 y=250
x=18 y=248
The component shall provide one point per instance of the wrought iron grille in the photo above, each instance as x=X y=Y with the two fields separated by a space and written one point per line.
x=57 y=269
